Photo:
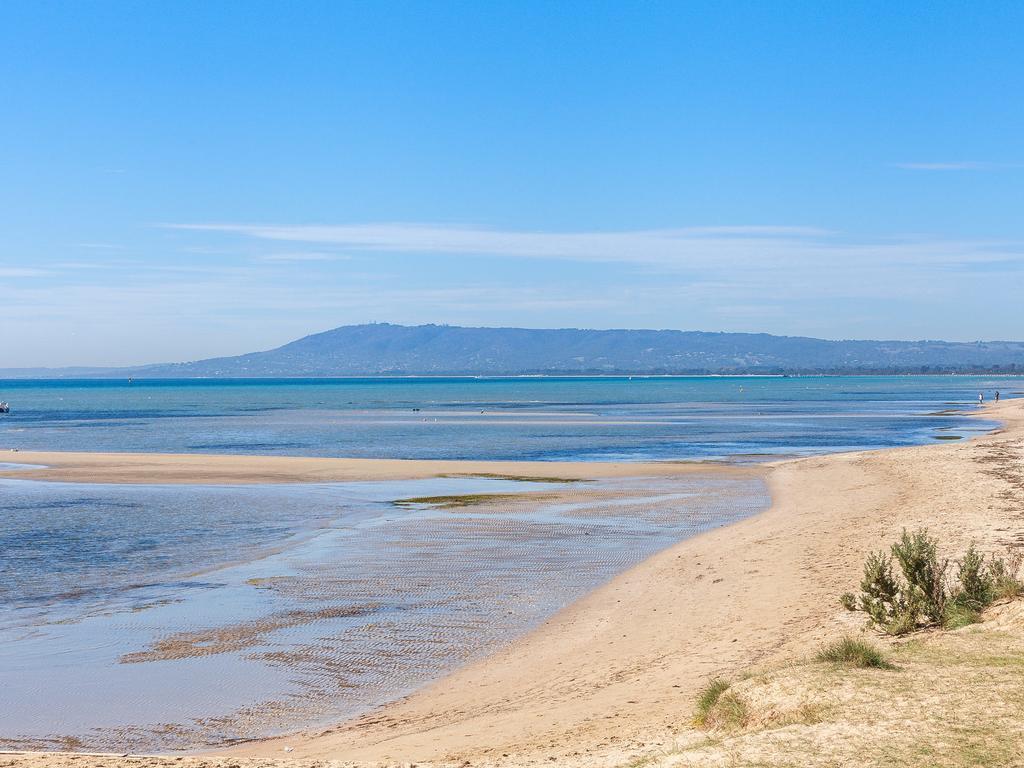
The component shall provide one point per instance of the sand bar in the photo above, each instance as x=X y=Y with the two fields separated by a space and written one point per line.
x=67 y=466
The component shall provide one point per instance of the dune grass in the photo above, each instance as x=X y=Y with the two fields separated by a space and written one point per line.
x=719 y=707
x=708 y=698
x=959 y=615
x=852 y=653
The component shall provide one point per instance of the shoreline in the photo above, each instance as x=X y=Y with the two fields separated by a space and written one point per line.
x=614 y=674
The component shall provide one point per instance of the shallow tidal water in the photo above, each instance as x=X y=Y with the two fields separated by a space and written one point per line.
x=125 y=629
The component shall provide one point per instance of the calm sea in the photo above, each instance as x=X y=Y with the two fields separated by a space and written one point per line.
x=532 y=419
x=176 y=617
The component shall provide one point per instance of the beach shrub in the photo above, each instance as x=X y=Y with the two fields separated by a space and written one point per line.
x=1004 y=574
x=924 y=572
x=976 y=581
x=850 y=652
x=980 y=584
x=903 y=623
x=849 y=601
x=923 y=594
x=880 y=594
x=720 y=707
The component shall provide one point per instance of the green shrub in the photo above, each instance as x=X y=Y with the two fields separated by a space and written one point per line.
x=850 y=652
x=849 y=601
x=880 y=593
x=902 y=623
x=719 y=707
x=925 y=573
x=923 y=594
x=975 y=579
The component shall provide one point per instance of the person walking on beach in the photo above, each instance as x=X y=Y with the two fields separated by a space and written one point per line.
x=981 y=398
x=997 y=395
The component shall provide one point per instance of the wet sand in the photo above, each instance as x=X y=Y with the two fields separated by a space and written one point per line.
x=614 y=676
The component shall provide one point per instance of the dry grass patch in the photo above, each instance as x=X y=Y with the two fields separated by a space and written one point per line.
x=953 y=701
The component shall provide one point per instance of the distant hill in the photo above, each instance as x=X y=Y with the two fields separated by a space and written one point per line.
x=385 y=349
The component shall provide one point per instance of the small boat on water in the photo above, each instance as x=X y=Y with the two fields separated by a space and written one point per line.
x=4 y=407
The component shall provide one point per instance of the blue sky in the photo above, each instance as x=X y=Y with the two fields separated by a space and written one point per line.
x=182 y=180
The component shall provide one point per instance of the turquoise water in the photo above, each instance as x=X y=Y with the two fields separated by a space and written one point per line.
x=531 y=419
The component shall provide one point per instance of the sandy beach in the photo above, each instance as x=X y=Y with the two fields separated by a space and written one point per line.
x=613 y=678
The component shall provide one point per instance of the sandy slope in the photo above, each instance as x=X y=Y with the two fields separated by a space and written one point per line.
x=614 y=676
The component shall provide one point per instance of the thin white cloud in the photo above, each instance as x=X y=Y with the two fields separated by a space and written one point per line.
x=705 y=248
x=962 y=165
x=285 y=258
x=13 y=272
x=65 y=265
x=102 y=246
